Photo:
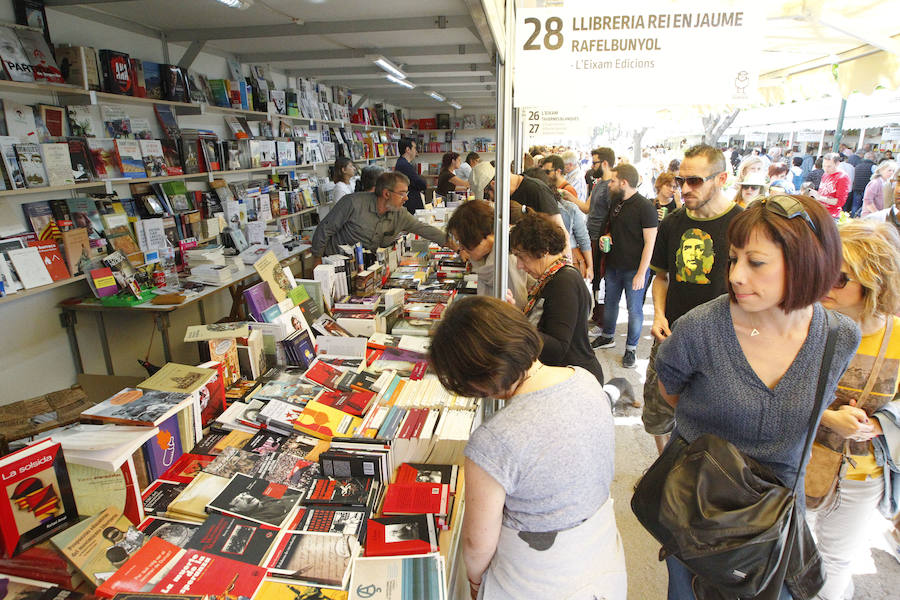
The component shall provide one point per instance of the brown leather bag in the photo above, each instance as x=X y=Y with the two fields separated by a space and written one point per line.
x=827 y=467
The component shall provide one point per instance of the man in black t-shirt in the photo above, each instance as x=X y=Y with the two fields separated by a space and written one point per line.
x=632 y=233
x=690 y=260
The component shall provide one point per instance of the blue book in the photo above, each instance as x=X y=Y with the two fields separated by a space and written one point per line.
x=270 y=314
x=153 y=79
x=245 y=103
x=163 y=450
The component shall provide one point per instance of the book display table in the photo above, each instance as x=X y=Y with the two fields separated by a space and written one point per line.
x=160 y=312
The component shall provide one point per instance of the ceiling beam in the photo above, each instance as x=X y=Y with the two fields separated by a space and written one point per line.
x=393 y=53
x=480 y=25
x=98 y=16
x=408 y=69
x=187 y=59
x=319 y=28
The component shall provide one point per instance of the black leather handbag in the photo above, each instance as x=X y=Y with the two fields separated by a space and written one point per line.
x=729 y=519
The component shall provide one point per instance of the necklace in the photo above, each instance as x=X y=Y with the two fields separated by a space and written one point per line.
x=754 y=331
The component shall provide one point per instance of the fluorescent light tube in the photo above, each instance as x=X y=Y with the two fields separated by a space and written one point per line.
x=402 y=82
x=238 y=4
x=389 y=66
x=436 y=96
x=455 y=105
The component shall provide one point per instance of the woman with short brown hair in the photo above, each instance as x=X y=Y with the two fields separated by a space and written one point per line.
x=743 y=367
x=539 y=520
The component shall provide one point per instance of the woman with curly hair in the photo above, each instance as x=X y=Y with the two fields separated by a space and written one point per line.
x=862 y=426
x=559 y=302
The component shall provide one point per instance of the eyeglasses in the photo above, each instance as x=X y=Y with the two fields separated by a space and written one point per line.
x=752 y=188
x=548 y=171
x=695 y=180
x=842 y=281
x=403 y=194
x=789 y=208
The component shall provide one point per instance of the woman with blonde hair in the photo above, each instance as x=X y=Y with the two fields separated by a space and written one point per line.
x=750 y=164
x=878 y=188
x=863 y=422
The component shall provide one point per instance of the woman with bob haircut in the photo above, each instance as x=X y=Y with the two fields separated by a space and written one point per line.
x=868 y=291
x=743 y=367
x=558 y=302
x=539 y=523
x=447 y=181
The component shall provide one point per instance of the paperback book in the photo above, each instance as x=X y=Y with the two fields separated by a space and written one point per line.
x=314 y=558
x=257 y=500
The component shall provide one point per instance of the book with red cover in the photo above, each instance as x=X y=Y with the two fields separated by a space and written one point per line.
x=155 y=557
x=324 y=374
x=186 y=467
x=237 y=539
x=353 y=402
x=104 y=282
x=394 y=536
x=412 y=472
x=52 y=259
x=201 y=573
x=215 y=404
x=416 y=498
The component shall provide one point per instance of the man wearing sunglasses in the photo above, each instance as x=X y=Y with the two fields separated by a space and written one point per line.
x=374 y=219
x=690 y=260
x=602 y=162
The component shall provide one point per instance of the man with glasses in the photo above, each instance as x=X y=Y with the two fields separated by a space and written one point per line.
x=553 y=166
x=408 y=152
x=632 y=234
x=574 y=175
x=690 y=260
x=375 y=219
x=602 y=162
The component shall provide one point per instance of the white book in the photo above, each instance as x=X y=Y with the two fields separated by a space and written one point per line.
x=11 y=163
x=14 y=58
x=30 y=268
x=154 y=234
x=20 y=120
x=102 y=446
x=58 y=164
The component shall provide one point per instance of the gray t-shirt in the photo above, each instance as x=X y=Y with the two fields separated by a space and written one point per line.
x=721 y=394
x=550 y=486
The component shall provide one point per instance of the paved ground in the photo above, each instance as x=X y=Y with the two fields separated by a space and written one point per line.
x=876 y=572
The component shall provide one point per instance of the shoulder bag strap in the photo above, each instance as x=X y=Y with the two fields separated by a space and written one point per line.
x=876 y=367
x=827 y=357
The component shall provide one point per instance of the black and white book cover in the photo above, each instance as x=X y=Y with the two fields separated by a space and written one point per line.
x=256 y=499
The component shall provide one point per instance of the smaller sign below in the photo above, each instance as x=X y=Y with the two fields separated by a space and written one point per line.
x=553 y=122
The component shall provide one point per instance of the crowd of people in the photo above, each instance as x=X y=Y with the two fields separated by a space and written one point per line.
x=751 y=260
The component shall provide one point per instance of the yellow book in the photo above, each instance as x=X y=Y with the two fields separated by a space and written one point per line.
x=277 y=590
x=325 y=422
x=235 y=439
x=271 y=272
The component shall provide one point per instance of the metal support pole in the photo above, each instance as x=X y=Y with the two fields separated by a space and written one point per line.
x=862 y=140
x=504 y=144
x=519 y=142
x=821 y=144
x=104 y=344
x=162 y=323
x=67 y=319
x=202 y=310
x=164 y=40
x=839 y=130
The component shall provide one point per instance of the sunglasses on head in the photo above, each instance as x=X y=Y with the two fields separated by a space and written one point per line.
x=694 y=180
x=789 y=208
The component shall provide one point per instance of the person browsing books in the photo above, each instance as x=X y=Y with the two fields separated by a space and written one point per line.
x=866 y=426
x=558 y=302
x=744 y=366
x=539 y=520
x=374 y=219
x=472 y=227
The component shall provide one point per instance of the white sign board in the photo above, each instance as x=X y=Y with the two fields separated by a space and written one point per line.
x=890 y=133
x=808 y=136
x=649 y=53
x=755 y=137
x=555 y=122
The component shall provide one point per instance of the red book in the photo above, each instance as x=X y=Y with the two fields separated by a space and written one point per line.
x=154 y=558
x=200 y=573
x=186 y=468
x=324 y=374
x=354 y=403
x=416 y=498
x=395 y=536
x=215 y=405
x=52 y=259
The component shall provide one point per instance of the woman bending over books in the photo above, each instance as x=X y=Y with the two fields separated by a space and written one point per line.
x=559 y=302
x=539 y=518
x=863 y=426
